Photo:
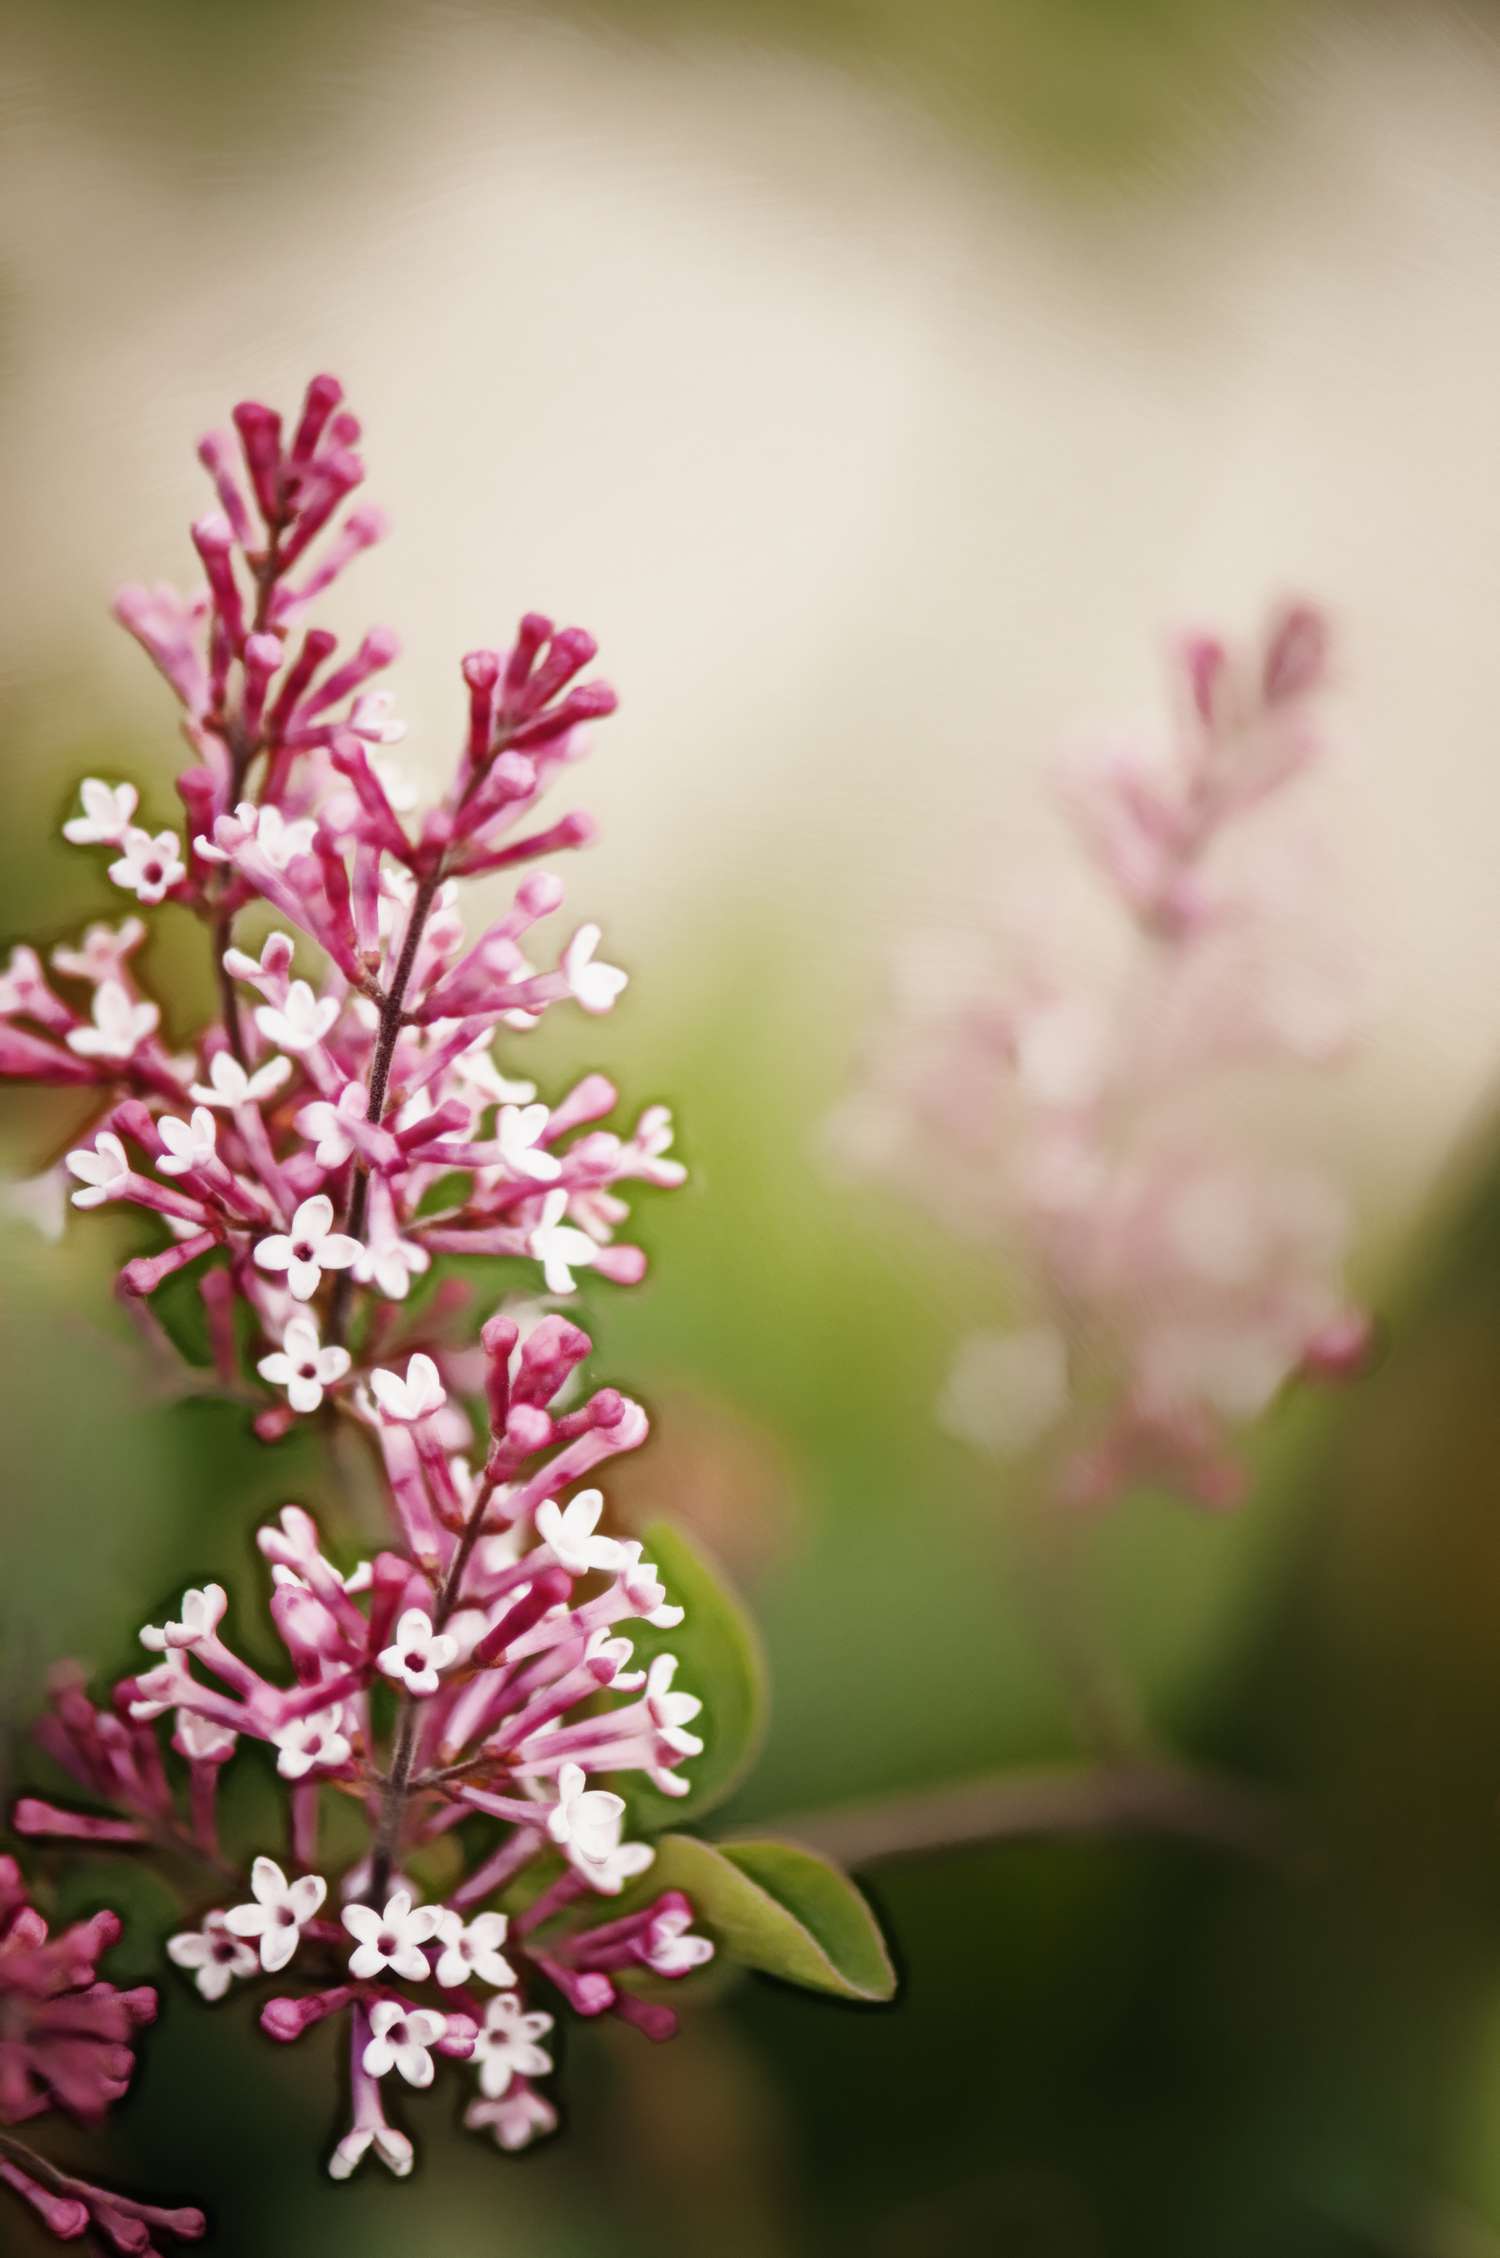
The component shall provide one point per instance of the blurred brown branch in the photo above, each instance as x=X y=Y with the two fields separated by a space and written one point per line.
x=1051 y=1801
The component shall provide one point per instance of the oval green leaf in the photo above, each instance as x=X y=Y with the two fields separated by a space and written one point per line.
x=781 y=1909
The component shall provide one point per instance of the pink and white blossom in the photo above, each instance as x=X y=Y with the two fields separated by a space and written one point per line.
x=309 y=1248
x=402 y=2039
x=471 y=1950
x=418 y=1654
x=303 y=1365
x=107 y=810
x=278 y=1912
x=149 y=865
x=507 y=2045
x=213 y=1955
x=392 y=1938
x=120 y=1024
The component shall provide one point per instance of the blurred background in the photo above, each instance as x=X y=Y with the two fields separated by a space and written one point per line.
x=878 y=382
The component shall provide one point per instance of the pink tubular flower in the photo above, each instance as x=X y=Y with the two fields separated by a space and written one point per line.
x=1180 y=1279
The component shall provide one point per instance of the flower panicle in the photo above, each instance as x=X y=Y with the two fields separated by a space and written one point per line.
x=1178 y=1277
x=308 y=1162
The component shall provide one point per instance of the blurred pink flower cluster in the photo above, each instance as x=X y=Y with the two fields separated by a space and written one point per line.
x=67 y=2042
x=303 y=1162
x=1094 y=1127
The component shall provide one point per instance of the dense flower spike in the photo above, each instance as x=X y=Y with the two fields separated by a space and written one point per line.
x=1180 y=1279
x=307 y=1162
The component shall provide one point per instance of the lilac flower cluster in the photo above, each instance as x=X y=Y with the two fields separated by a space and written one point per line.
x=306 y=1160
x=66 y=2042
x=1178 y=1278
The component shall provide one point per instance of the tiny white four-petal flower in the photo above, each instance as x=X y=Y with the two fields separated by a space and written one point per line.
x=120 y=1026
x=560 y=1248
x=202 y=1613
x=402 y=2039
x=569 y=1532
x=593 y=985
x=506 y=2045
x=107 y=810
x=190 y=1144
x=101 y=1173
x=301 y=1022
x=473 y=1950
x=392 y=1939
x=303 y=1366
x=420 y=1392
x=148 y=866
x=418 y=1653
x=309 y=1248
x=279 y=1911
x=229 y=1083
x=519 y=1133
x=213 y=1955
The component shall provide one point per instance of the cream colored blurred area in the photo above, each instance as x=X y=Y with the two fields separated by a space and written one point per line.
x=875 y=455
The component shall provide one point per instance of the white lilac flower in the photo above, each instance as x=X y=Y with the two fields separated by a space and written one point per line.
x=402 y=2039
x=202 y=1613
x=373 y=717
x=103 y=951
x=303 y=1366
x=595 y=986
x=559 y=1247
x=519 y=1133
x=201 y=1740
x=392 y=1939
x=281 y=841
x=299 y=1024
x=120 y=1026
x=609 y=1657
x=279 y=1912
x=623 y=1865
x=416 y=1395
x=230 y=1084
x=515 y=2118
x=312 y=1744
x=672 y=1713
x=101 y=1173
x=644 y=1588
x=390 y=1264
x=190 y=1144
x=472 y=1950
x=309 y=1248
x=506 y=2045
x=585 y=1820
x=475 y=1068
x=275 y=956
x=569 y=1531
x=148 y=866
x=107 y=810
x=325 y=1123
x=653 y=1141
x=670 y=1947
x=418 y=1653
x=213 y=1955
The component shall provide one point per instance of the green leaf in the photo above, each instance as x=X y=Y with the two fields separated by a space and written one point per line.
x=781 y=1909
x=720 y=1660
